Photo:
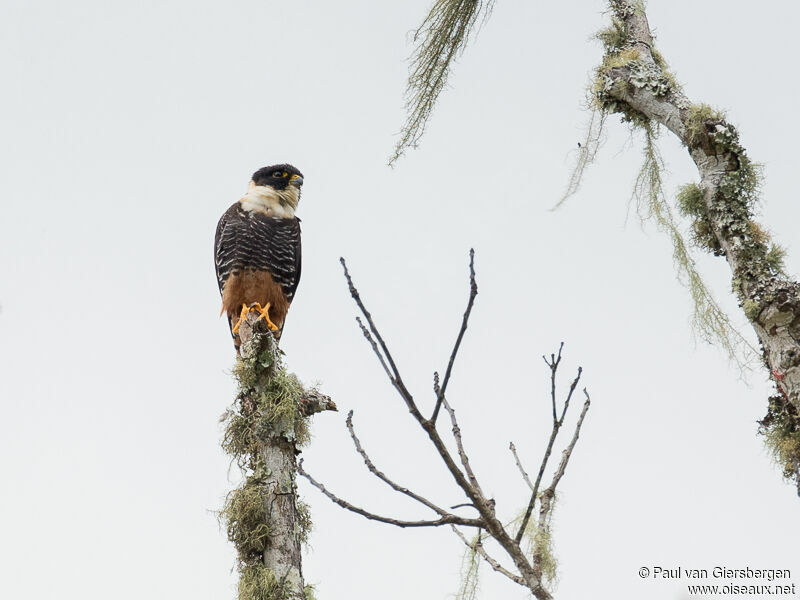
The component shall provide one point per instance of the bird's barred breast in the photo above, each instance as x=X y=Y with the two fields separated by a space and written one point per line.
x=251 y=242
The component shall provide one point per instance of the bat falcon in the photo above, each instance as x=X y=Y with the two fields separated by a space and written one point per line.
x=257 y=249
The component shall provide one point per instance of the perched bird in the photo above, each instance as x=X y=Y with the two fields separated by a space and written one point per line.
x=257 y=249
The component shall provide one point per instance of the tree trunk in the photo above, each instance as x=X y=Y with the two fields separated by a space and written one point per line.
x=264 y=430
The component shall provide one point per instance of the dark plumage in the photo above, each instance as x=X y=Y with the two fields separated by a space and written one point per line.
x=267 y=176
x=257 y=247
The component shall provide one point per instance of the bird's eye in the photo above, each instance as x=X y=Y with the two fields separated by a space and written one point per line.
x=278 y=174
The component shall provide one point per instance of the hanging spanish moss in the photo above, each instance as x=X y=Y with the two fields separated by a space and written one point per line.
x=440 y=39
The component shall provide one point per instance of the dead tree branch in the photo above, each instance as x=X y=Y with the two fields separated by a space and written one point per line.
x=557 y=423
x=473 y=292
x=264 y=429
x=529 y=573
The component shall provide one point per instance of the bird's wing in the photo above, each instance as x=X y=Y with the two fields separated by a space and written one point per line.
x=224 y=244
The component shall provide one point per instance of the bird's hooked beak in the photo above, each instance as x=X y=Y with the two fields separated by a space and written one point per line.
x=296 y=180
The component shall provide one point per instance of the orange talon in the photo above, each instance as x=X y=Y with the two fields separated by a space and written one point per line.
x=265 y=315
x=242 y=317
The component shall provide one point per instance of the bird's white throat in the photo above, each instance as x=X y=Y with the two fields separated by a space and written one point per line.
x=271 y=202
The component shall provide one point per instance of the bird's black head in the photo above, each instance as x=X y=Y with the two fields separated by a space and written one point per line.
x=278 y=177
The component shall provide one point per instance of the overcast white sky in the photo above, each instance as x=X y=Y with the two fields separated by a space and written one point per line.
x=129 y=127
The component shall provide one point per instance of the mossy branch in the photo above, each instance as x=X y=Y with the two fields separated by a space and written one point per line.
x=633 y=81
x=264 y=428
x=708 y=319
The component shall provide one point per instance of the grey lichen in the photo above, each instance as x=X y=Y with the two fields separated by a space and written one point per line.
x=759 y=260
x=623 y=70
x=271 y=398
x=624 y=65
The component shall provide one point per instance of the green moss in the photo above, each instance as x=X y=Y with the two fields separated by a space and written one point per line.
x=309 y=593
x=614 y=37
x=751 y=308
x=709 y=320
x=269 y=401
x=470 y=571
x=267 y=406
x=690 y=200
x=543 y=548
x=304 y=523
x=775 y=258
x=244 y=514
x=586 y=154
x=257 y=582
x=701 y=118
x=781 y=430
x=621 y=58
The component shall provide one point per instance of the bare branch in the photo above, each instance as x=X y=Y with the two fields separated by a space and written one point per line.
x=562 y=467
x=548 y=495
x=473 y=291
x=313 y=401
x=394 y=375
x=466 y=479
x=557 y=422
x=375 y=349
x=553 y=364
x=380 y=475
x=478 y=547
x=445 y=520
x=460 y=445
x=519 y=466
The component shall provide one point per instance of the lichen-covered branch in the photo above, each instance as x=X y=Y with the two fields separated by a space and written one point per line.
x=489 y=526
x=264 y=428
x=635 y=82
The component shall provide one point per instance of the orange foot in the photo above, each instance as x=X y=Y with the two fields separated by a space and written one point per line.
x=242 y=317
x=263 y=312
x=265 y=315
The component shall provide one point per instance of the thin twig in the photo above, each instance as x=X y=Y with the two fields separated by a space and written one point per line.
x=445 y=520
x=547 y=496
x=557 y=423
x=462 y=454
x=394 y=375
x=375 y=348
x=562 y=467
x=380 y=475
x=513 y=449
x=483 y=505
x=473 y=291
